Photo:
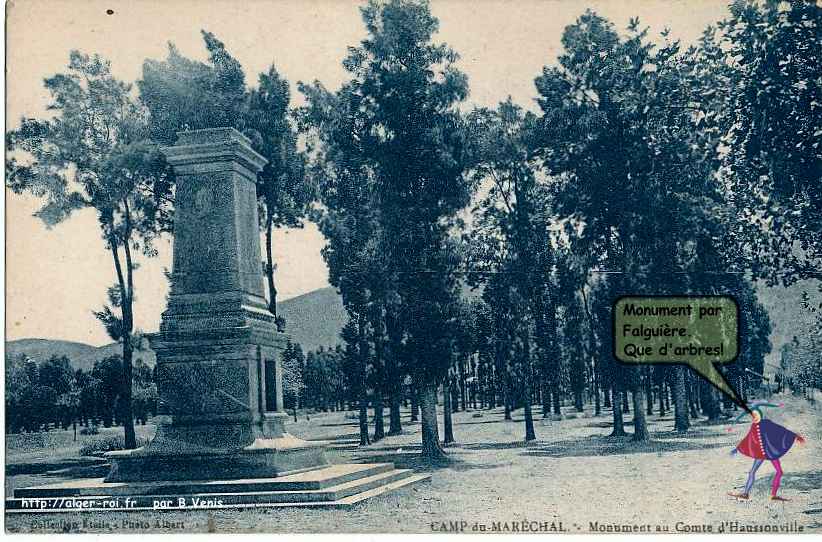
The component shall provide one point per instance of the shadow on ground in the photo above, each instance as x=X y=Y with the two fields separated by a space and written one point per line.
x=602 y=446
x=495 y=445
x=341 y=436
x=691 y=433
x=802 y=481
x=481 y=421
x=353 y=423
x=416 y=462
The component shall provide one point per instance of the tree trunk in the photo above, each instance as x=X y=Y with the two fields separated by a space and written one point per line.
x=415 y=405
x=393 y=377
x=362 y=391
x=681 y=421
x=269 y=266
x=578 y=382
x=431 y=448
x=546 y=395
x=364 y=440
x=126 y=286
x=649 y=394
x=379 y=424
x=493 y=393
x=395 y=422
x=530 y=434
x=624 y=397
x=689 y=390
x=463 y=385
x=595 y=377
x=380 y=377
x=640 y=425
x=578 y=399
x=661 y=396
x=696 y=396
x=526 y=358
x=488 y=388
x=616 y=410
x=555 y=398
x=710 y=404
x=128 y=412
x=507 y=394
x=447 y=409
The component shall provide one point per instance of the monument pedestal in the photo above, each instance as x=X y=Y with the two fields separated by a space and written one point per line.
x=265 y=458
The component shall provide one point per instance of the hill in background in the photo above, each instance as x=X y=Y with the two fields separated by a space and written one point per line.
x=313 y=319
x=316 y=319
x=82 y=356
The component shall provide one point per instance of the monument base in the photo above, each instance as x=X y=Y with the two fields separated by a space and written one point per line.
x=217 y=450
x=265 y=458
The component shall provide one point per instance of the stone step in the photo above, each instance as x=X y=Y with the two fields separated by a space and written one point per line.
x=343 y=494
x=337 y=492
x=402 y=482
x=312 y=479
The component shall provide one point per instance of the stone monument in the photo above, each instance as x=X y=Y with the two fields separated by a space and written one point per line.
x=218 y=349
x=221 y=441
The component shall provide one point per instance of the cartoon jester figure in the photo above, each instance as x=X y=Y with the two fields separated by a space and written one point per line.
x=765 y=440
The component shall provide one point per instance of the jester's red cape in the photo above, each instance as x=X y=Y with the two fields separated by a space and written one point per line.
x=767 y=440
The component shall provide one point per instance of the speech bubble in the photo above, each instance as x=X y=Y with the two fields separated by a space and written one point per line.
x=698 y=331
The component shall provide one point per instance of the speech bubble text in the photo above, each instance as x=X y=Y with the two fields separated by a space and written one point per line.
x=697 y=331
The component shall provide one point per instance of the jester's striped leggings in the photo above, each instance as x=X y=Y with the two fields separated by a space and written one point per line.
x=777 y=479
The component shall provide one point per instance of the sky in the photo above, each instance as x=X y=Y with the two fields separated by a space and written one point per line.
x=56 y=278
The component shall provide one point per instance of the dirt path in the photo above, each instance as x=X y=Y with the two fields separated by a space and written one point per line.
x=574 y=478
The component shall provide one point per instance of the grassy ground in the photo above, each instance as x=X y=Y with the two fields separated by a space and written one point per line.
x=574 y=475
x=31 y=447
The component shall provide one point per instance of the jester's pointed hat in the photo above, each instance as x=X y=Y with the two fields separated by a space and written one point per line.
x=757 y=406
